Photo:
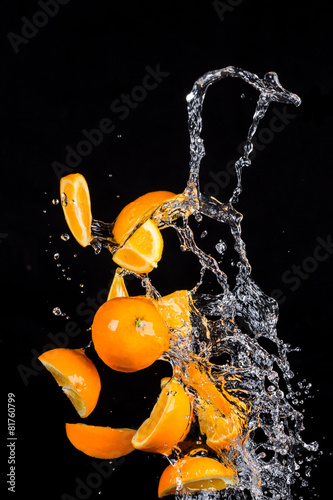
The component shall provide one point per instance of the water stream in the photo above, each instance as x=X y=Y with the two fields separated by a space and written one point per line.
x=233 y=323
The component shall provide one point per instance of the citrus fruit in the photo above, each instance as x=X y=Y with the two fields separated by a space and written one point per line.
x=100 y=442
x=169 y=421
x=118 y=287
x=129 y=333
x=142 y=251
x=130 y=215
x=220 y=431
x=75 y=201
x=199 y=380
x=76 y=374
x=175 y=309
x=195 y=474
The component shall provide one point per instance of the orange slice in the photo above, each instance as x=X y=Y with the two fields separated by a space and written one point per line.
x=192 y=474
x=100 y=442
x=142 y=251
x=130 y=215
x=169 y=421
x=77 y=375
x=118 y=287
x=129 y=333
x=75 y=201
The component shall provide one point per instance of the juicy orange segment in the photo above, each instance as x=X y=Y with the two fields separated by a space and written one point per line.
x=192 y=474
x=169 y=421
x=200 y=381
x=100 y=442
x=220 y=431
x=75 y=201
x=142 y=251
x=129 y=333
x=118 y=287
x=175 y=309
x=130 y=215
x=77 y=375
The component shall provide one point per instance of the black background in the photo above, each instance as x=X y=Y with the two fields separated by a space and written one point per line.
x=64 y=80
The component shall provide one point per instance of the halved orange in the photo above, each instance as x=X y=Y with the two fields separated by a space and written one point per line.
x=100 y=442
x=192 y=474
x=118 y=287
x=129 y=333
x=75 y=201
x=169 y=421
x=77 y=375
x=130 y=215
x=142 y=251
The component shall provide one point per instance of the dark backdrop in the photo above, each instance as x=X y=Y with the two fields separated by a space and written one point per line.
x=70 y=67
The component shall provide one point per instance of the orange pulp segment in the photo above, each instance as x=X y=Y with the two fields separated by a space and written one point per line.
x=220 y=431
x=77 y=375
x=200 y=381
x=75 y=201
x=118 y=287
x=100 y=442
x=195 y=474
x=129 y=333
x=169 y=421
x=175 y=309
x=130 y=215
x=142 y=251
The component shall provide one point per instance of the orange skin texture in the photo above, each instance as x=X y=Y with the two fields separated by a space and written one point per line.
x=131 y=214
x=192 y=469
x=100 y=442
x=129 y=334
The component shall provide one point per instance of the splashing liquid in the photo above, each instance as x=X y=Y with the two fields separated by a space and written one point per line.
x=255 y=384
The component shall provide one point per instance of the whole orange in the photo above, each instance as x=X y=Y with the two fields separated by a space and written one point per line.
x=129 y=333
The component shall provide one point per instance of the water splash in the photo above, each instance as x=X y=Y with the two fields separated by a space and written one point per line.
x=256 y=380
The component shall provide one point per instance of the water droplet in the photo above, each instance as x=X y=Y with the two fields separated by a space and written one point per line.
x=221 y=247
x=203 y=234
x=56 y=256
x=65 y=237
x=57 y=311
x=55 y=201
x=64 y=200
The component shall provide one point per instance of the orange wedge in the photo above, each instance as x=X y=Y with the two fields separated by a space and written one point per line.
x=169 y=421
x=77 y=375
x=175 y=309
x=130 y=215
x=118 y=287
x=75 y=201
x=220 y=431
x=142 y=251
x=100 y=442
x=129 y=333
x=192 y=474
x=200 y=381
